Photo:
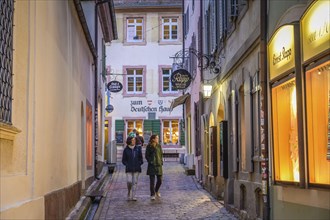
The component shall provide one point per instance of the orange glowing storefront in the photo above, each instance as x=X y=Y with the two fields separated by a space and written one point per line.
x=299 y=87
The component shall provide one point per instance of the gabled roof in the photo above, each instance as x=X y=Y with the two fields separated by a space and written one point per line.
x=126 y=4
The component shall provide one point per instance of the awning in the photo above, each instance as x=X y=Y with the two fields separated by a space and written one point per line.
x=179 y=101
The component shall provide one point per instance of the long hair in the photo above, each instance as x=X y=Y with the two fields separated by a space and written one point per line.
x=152 y=137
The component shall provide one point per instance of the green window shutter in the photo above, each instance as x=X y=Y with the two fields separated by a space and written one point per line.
x=182 y=135
x=147 y=125
x=151 y=125
x=156 y=127
x=119 y=125
x=119 y=131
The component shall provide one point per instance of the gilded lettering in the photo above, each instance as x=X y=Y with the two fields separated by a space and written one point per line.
x=277 y=58
x=179 y=78
x=286 y=53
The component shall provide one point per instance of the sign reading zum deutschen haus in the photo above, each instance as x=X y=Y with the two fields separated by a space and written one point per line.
x=160 y=106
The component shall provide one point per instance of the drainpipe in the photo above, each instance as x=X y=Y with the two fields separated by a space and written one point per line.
x=183 y=125
x=264 y=110
x=98 y=3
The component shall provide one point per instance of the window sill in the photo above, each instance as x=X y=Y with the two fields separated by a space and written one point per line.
x=173 y=94
x=134 y=95
x=8 y=132
x=170 y=42
x=143 y=43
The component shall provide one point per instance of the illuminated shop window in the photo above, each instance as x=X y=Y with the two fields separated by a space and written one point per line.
x=285 y=132
x=171 y=132
x=318 y=123
x=137 y=124
x=89 y=136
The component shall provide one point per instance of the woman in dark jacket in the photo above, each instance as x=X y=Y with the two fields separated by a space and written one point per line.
x=132 y=159
x=154 y=156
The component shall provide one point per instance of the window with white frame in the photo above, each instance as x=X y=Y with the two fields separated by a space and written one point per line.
x=134 y=80
x=134 y=30
x=167 y=86
x=134 y=124
x=171 y=132
x=170 y=29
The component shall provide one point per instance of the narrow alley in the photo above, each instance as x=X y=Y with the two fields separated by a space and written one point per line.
x=181 y=198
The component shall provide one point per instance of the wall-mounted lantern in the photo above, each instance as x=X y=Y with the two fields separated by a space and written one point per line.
x=207 y=90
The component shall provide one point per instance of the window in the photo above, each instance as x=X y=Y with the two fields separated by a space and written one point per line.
x=186 y=23
x=137 y=124
x=134 y=80
x=318 y=123
x=89 y=136
x=243 y=156
x=213 y=26
x=221 y=15
x=170 y=29
x=167 y=85
x=119 y=131
x=285 y=138
x=134 y=30
x=6 y=60
x=171 y=132
x=255 y=120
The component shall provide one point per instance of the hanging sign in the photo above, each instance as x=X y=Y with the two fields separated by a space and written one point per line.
x=180 y=79
x=109 y=108
x=115 y=86
x=281 y=51
x=315 y=29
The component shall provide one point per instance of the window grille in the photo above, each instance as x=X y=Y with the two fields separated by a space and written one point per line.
x=6 y=59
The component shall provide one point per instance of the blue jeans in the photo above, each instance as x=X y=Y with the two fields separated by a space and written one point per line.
x=132 y=179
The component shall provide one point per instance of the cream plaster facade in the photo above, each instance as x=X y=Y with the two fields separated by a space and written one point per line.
x=52 y=82
x=151 y=55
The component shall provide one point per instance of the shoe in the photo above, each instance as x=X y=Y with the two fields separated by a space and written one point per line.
x=158 y=194
x=152 y=198
x=134 y=199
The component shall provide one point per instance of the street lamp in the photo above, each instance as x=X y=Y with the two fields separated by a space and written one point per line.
x=207 y=90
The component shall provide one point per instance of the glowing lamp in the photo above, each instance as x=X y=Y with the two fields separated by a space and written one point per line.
x=207 y=90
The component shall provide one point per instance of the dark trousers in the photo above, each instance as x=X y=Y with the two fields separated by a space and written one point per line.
x=153 y=190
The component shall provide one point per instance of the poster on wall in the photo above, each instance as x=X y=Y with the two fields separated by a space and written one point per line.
x=120 y=137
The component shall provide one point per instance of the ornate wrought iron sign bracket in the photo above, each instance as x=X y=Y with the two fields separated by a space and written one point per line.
x=204 y=61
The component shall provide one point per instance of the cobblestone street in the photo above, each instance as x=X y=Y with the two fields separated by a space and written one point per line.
x=182 y=198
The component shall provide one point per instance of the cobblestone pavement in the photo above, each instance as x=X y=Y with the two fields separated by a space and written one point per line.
x=181 y=198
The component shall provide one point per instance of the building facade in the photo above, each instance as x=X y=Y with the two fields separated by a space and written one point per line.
x=48 y=80
x=231 y=150
x=299 y=89
x=149 y=32
x=260 y=137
